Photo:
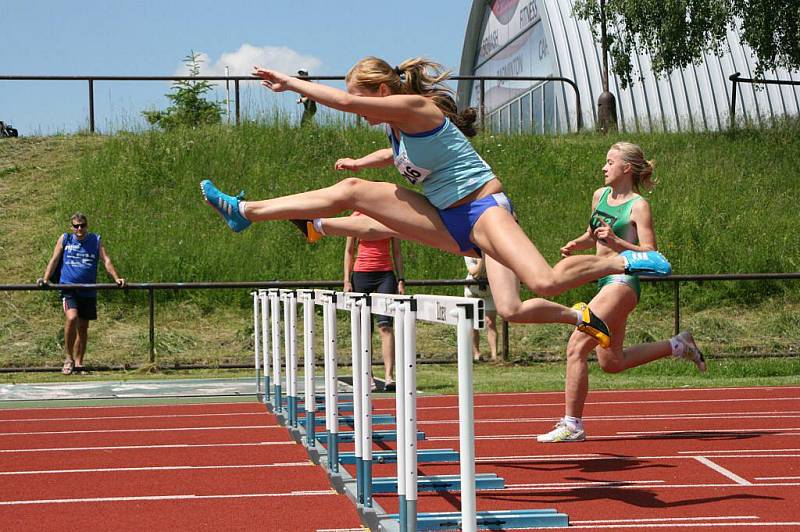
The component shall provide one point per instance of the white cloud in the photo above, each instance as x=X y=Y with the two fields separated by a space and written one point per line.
x=242 y=61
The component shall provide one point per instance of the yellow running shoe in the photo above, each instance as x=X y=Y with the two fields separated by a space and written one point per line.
x=592 y=325
x=307 y=228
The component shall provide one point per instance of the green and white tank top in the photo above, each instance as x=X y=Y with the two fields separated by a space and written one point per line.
x=617 y=216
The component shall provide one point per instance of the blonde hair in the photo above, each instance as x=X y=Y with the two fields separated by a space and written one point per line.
x=641 y=168
x=414 y=76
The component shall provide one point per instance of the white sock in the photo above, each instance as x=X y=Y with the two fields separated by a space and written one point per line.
x=574 y=423
x=677 y=346
x=241 y=209
x=317 y=223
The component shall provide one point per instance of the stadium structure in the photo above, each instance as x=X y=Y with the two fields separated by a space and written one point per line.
x=542 y=38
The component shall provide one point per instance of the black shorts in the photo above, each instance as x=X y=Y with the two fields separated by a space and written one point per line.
x=375 y=282
x=86 y=306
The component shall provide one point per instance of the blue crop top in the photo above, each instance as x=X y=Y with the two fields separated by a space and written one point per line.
x=442 y=160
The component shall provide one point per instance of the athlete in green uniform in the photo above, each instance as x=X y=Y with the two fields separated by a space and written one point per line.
x=621 y=221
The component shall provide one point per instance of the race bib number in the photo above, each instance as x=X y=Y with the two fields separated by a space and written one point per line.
x=414 y=174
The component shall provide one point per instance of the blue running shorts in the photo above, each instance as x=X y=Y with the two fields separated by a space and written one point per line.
x=460 y=220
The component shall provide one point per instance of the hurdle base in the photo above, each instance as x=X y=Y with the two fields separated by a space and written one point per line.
x=390 y=457
x=350 y=420
x=493 y=520
x=379 y=435
x=484 y=481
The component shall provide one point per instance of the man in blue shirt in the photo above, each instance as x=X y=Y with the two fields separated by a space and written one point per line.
x=79 y=253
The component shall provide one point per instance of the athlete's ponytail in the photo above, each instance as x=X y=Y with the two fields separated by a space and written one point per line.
x=641 y=168
x=414 y=76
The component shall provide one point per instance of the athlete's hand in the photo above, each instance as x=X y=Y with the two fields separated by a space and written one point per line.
x=568 y=248
x=606 y=235
x=41 y=282
x=348 y=287
x=272 y=79
x=347 y=164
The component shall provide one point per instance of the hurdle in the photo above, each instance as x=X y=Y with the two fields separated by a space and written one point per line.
x=466 y=314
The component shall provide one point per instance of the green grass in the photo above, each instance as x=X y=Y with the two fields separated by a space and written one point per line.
x=726 y=204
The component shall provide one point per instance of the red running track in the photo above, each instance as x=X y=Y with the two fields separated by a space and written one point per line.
x=171 y=467
x=710 y=459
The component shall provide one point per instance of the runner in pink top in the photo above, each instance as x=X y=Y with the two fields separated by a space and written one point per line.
x=371 y=268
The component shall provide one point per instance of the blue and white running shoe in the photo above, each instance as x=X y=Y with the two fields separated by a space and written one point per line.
x=646 y=263
x=227 y=206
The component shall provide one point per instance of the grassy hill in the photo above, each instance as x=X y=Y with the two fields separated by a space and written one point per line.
x=726 y=203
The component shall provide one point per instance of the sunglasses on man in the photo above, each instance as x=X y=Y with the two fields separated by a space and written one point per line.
x=78 y=226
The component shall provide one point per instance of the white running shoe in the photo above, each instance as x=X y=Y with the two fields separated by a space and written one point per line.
x=562 y=433
x=691 y=352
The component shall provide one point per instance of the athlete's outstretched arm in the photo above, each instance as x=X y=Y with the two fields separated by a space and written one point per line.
x=376 y=159
x=391 y=108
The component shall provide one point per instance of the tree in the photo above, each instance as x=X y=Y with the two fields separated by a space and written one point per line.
x=676 y=33
x=189 y=107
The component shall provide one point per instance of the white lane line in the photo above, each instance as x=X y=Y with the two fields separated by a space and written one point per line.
x=125 y=447
x=689 y=525
x=112 y=431
x=623 y=486
x=723 y=471
x=168 y=498
x=199 y=406
x=158 y=468
x=587 y=457
x=715 y=451
x=777 y=478
x=665 y=519
x=587 y=484
x=624 y=435
x=606 y=403
x=153 y=416
x=639 y=417
x=771 y=430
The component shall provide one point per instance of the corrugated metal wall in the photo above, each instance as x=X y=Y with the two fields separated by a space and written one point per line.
x=695 y=98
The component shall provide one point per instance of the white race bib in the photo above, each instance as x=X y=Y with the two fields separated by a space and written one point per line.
x=414 y=174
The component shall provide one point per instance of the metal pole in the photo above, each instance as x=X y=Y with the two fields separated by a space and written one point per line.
x=355 y=346
x=410 y=369
x=735 y=80
x=151 y=301
x=366 y=404
x=275 y=310
x=677 y=307
x=256 y=341
x=466 y=425
x=483 y=103
x=400 y=411
x=91 y=105
x=236 y=87
x=265 y=334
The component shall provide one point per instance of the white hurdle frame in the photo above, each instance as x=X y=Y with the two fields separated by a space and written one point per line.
x=306 y=297
x=467 y=314
x=257 y=340
x=264 y=301
x=274 y=299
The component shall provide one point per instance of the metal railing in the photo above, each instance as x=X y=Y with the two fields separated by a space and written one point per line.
x=237 y=79
x=151 y=288
x=737 y=78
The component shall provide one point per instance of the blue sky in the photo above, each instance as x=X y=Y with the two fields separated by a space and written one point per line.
x=151 y=37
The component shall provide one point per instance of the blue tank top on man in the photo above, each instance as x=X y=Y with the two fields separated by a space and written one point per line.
x=442 y=160
x=80 y=262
